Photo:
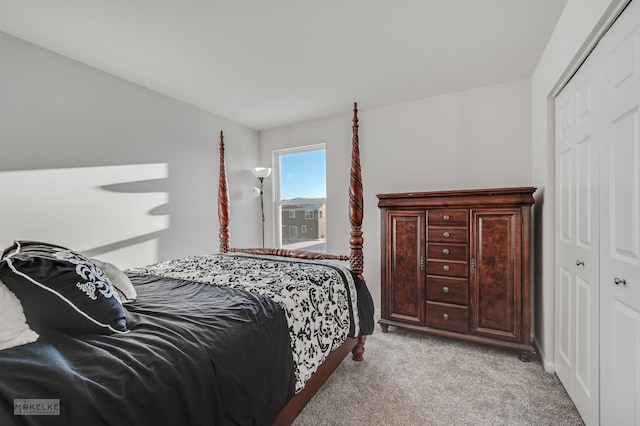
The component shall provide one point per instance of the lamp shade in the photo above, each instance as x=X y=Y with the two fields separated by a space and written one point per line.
x=261 y=172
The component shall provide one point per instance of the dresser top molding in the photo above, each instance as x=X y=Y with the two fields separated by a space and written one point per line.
x=460 y=198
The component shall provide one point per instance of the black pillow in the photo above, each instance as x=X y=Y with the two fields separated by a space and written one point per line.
x=61 y=289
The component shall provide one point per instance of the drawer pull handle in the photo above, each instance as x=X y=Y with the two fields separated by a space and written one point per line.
x=445 y=251
x=445 y=289
x=445 y=316
x=446 y=267
x=619 y=281
x=445 y=234
x=446 y=217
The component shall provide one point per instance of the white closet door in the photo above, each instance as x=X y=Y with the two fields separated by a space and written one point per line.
x=620 y=231
x=577 y=354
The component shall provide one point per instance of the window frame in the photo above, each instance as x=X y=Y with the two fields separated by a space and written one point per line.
x=277 y=201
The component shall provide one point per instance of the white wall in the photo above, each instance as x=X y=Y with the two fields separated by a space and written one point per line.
x=580 y=25
x=120 y=172
x=473 y=139
x=60 y=119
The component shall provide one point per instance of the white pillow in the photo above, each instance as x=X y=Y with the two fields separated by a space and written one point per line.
x=14 y=330
x=119 y=280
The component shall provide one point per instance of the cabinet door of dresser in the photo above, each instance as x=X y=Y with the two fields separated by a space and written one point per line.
x=496 y=273
x=403 y=281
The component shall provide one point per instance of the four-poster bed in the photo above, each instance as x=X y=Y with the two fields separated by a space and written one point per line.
x=355 y=258
x=246 y=336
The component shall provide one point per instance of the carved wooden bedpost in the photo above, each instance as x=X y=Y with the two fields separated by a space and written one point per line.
x=356 y=209
x=356 y=201
x=223 y=201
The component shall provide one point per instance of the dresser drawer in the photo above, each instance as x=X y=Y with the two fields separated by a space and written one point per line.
x=448 y=317
x=448 y=290
x=447 y=251
x=448 y=217
x=447 y=234
x=446 y=268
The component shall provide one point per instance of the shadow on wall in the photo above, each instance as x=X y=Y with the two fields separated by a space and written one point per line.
x=116 y=213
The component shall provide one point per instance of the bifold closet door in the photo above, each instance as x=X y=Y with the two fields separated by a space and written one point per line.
x=620 y=229
x=577 y=269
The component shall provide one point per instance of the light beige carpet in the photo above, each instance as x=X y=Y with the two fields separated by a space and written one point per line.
x=413 y=379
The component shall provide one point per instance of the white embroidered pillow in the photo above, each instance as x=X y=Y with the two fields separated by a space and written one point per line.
x=14 y=330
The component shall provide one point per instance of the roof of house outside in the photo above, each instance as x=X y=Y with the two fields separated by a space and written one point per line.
x=305 y=203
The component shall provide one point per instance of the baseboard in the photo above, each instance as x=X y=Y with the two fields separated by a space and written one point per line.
x=548 y=364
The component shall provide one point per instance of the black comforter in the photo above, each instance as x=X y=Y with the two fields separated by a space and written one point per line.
x=196 y=354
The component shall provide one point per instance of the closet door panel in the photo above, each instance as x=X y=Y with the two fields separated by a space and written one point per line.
x=586 y=274
x=566 y=187
x=620 y=275
x=586 y=335
x=577 y=248
x=620 y=230
x=586 y=205
x=564 y=331
x=623 y=186
x=565 y=218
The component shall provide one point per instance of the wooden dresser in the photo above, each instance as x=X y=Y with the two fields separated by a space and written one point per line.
x=458 y=264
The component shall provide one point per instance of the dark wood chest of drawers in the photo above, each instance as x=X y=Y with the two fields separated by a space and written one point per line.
x=457 y=264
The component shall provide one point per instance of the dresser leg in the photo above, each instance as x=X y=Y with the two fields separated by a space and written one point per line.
x=385 y=328
x=525 y=356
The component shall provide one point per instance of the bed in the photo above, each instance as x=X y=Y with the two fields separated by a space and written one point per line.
x=243 y=336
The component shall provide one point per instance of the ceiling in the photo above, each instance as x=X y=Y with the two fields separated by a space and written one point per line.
x=269 y=63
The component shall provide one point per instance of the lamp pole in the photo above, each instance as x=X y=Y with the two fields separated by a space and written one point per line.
x=262 y=206
x=261 y=173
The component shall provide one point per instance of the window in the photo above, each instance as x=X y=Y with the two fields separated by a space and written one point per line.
x=300 y=183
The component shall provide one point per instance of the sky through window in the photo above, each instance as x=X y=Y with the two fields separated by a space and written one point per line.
x=303 y=175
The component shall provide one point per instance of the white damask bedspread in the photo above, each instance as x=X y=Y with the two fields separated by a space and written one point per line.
x=319 y=299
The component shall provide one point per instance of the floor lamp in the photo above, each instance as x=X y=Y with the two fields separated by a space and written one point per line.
x=261 y=173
